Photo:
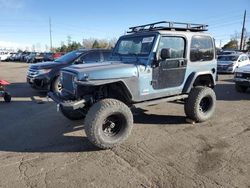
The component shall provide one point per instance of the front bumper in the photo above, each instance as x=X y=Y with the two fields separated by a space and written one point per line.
x=39 y=83
x=242 y=82
x=68 y=104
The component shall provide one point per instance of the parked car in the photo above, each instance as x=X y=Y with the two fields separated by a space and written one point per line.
x=242 y=78
x=4 y=55
x=227 y=52
x=35 y=57
x=18 y=56
x=10 y=57
x=48 y=56
x=228 y=63
x=24 y=55
x=30 y=57
x=57 y=55
x=152 y=64
x=45 y=76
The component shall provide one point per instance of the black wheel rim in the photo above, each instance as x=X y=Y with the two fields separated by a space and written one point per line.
x=205 y=104
x=113 y=125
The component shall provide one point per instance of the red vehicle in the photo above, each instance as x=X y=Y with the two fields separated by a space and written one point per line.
x=3 y=92
x=57 y=55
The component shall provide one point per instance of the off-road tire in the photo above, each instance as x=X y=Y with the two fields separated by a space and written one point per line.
x=241 y=89
x=7 y=97
x=98 y=123
x=56 y=85
x=73 y=114
x=200 y=104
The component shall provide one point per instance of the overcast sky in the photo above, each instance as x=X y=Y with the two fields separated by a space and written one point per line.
x=26 y=22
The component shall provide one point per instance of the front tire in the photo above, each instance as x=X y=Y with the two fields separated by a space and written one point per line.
x=200 y=105
x=108 y=123
x=73 y=114
x=56 y=86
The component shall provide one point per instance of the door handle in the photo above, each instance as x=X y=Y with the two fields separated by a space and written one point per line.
x=182 y=63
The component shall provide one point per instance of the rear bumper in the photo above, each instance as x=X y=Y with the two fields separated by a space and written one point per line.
x=70 y=105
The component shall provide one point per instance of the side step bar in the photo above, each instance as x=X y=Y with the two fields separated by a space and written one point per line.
x=157 y=101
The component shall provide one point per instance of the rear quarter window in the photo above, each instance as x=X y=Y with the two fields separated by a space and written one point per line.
x=201 y=48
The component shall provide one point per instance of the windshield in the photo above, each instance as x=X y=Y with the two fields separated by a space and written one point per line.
x=71 y=56
x=137 y=45
x=228 y=58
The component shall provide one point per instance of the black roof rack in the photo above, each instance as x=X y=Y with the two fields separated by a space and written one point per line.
x=167 y=25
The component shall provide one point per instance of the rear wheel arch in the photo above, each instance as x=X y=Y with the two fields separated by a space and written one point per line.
x=205 y=79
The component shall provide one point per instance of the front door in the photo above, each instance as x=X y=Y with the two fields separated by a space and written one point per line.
x=170 y=72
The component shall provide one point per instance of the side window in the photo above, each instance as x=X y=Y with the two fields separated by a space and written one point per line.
x=106 y=55
x=242 y=58
x=201 y=49
x=92 y=57
x=175 y=44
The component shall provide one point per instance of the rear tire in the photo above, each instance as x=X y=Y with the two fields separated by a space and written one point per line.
x=73 y=114
x=108 y=123
x=241 y=89
x=200 y=105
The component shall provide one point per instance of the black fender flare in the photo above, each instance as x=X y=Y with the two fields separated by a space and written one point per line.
x=193 y=76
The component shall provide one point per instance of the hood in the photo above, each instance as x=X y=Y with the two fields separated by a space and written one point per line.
x=45 y=65
x=225 y=62
x=104 y=70
x=245 y=68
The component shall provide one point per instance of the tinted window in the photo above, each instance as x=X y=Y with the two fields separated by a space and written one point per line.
x=201 y=49
x=175 y=44
x=71 y=56
x=106 y=55
x=92 y=57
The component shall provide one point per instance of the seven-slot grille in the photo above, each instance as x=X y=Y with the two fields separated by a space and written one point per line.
x=68 y=81
x=222 y=67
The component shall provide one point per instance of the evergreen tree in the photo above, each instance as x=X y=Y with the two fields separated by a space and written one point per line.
x=96 y=44
x=231 y=45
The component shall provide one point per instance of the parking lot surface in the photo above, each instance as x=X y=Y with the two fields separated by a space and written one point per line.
x=41 y=148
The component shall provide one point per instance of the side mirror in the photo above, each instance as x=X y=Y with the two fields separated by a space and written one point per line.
x=165 y=53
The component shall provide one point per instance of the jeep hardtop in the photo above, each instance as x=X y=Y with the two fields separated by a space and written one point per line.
x=151 y=64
